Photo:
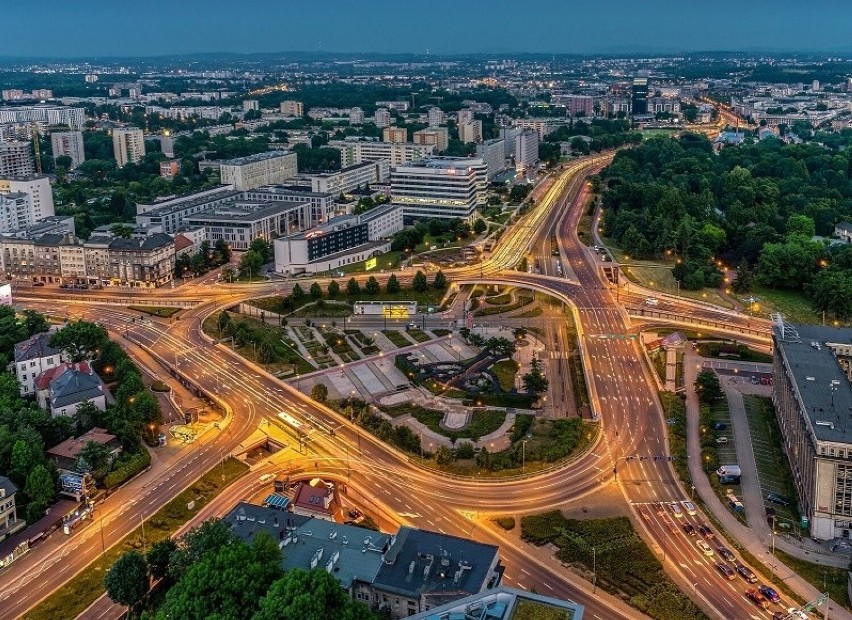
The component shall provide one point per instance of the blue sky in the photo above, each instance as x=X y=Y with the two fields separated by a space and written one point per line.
x=154 y=27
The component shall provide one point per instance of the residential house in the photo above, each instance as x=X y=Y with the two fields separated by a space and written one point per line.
x=67 y=453
x=63 y=389
x=843 y=230
x=315 y=501
x=34 y=356
x=9 y=522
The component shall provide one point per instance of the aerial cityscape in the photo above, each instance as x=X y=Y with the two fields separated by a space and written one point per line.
x=491 y=313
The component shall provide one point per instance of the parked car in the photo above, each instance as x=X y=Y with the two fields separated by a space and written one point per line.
x=722 y=441
x=775 y=498
x=719 y=426
x=769 y=593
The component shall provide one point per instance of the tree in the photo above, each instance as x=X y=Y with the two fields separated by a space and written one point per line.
x=309 y=595
x=64 y=161
x=443 y=455
x=41 y=490
x=127 y=580
x=519 y=333
x=224 y=322
x=501 y=347
x=315 y=290
x=250 y=264
x=333 y=289
x=353 y=288
x=535 y=381
x=208 y=537
x=440 y=281
x=122 y=230
x=372 y=287
x=80 y=340
x=95 y=458
x=262 y=247
x=419 y=283
x=223 y=250
x=479 y=226
x=319 y=392
x=392 y=284
x=744 y=281
x=707 y=387
x=34 y=323
x=297 y=294
x=159 y=557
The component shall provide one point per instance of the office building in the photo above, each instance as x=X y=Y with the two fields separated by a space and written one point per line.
x=270 y=168
x=242 y=221
x=442 y=187
x=470 y=131
x=812 y=393
x=526 y=149
x=250 y=105
x=45 y=115
x=509 y=135
x=355 y=151
x=493 y=153
x=437 y=136
x=68 y=144
x=128 y=144
x=383 y=117
x=350 y=178
x=356 y=116
x=435 y=116
x=305 y=208
x=16 y=158
x=27 y=201
x=639 y=96
x=341 y=241
x=465 y=116
x=395 y=134
x=396 y=574
x=293 y=109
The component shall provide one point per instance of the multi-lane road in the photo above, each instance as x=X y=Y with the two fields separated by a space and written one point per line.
x=389 y=482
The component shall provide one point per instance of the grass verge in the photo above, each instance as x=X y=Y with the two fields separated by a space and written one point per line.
x=160 y=311
x=823 y=578
x=397 y=338
x=81 y=591
x=505 y=372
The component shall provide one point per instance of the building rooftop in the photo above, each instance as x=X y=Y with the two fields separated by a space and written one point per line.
x=75 y=386
x=71 y=448
x=42 y=382
x=844 y=226
x=35 y=347
x=250 y=159
x=151 y=242
x=7 y=486
x=503 y=603
x=428 y=563
x=821 y=383
x=241 y=211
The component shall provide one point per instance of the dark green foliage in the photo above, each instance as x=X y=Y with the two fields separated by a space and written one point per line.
x=419 y=283
x=707 y=386
x=127 y=581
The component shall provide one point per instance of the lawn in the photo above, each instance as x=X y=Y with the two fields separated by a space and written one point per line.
x=419 y=335
x=524 y=298
x=794 y=305
x=623 y=565
x=527 y=609
x=396 y=337
x=163 y=312
x=481 y=422
x=389 y=260
x=505 y=372
x=72 y=598
x=823 y=578
x=732 y=350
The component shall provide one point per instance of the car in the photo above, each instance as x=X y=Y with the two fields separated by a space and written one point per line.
x=722 y=441
x=704 y=548
x=726 y=553
x=690 y=531
x=797 y=614
x=689 y=507
x=706 y=532
x=38 y=283
x=661 y=510
x=746 y=573
x=675 y=510
x=764 y=381
x=757 y=598
x=780 y=615
x=775 y=498
x=727 y=572
x=754 y=380
x=652 y=301
x=769 y=593
x=719 y=426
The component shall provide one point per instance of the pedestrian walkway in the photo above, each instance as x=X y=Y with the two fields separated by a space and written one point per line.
x=755 y=541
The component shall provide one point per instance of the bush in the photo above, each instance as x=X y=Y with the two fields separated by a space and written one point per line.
x=127 y=467
x=507 y=523
x=543 y=528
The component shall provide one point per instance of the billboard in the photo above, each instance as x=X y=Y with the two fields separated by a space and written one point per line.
x=371 y=263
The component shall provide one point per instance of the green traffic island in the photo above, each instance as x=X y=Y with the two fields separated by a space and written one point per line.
x=611 y=554
x=397 y=338
x=480 y=424
x=523 y=298
x=163 y=312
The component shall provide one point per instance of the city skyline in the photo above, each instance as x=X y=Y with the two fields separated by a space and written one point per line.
x=385 y=28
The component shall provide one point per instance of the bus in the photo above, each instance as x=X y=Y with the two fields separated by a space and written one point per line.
x=292 y=422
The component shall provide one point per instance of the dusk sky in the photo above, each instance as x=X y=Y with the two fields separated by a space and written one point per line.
x=154 y=27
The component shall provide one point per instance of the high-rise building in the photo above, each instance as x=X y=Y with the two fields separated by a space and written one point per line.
x=438 y=136
x=70 y=144
x=128 y=144
x=526 y=150
x=395 y=134
x=383 y=117
x=464 y=116
x=640 y=95
x=435 y=116
x=470 y=131
x=16 y=158
x=356 y=116
x=815 y=86
x=509 y=135
x=397 y=153
x=493 y=153
x=442 y=187
x=292 y=108
x=250 y=104
x=25 y=200
x=270 y=168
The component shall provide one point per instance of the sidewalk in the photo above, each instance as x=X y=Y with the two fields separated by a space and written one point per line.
x=750 y=538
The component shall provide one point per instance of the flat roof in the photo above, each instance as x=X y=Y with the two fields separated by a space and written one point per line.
x=819 y=379
x=251 y=159
x=233 y=213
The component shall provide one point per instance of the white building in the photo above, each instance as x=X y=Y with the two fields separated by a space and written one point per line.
x=435 y=116
x=464 y=116
x=32 y=357
x=470 y=131
x=128 y=144
x=45 y=115
x=26 y=200
x=493 y=153
x=250 y=104
x=383 y=117
x=442 y=187
x=356 y=116
x=526 y=149
x=70 y=144
x=437 y=136
x=350 y=178
x=270 y=168
x=16 y=158
x=542 y=126
x=358 y=151
x=293 y=109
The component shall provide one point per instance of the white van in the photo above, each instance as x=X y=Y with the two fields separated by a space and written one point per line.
x=652 y=301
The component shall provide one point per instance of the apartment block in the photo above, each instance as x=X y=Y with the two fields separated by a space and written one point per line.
x=397 y=153
x=293 y=109
x=45 y=115
x=395 y=134
x=69 y=144
x=16 y=158
x=439 y=137
x=270 y=168
x=25 y=200
x=350 y=178
x=493 y=153
x=128 y=144
x=470 y=131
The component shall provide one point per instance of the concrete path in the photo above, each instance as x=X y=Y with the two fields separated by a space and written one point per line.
x=747 y=537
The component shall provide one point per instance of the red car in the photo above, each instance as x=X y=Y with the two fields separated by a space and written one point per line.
x=757 y=598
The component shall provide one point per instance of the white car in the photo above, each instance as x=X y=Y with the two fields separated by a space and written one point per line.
x=704 y=548
x=689 y=507
x=675 y=508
